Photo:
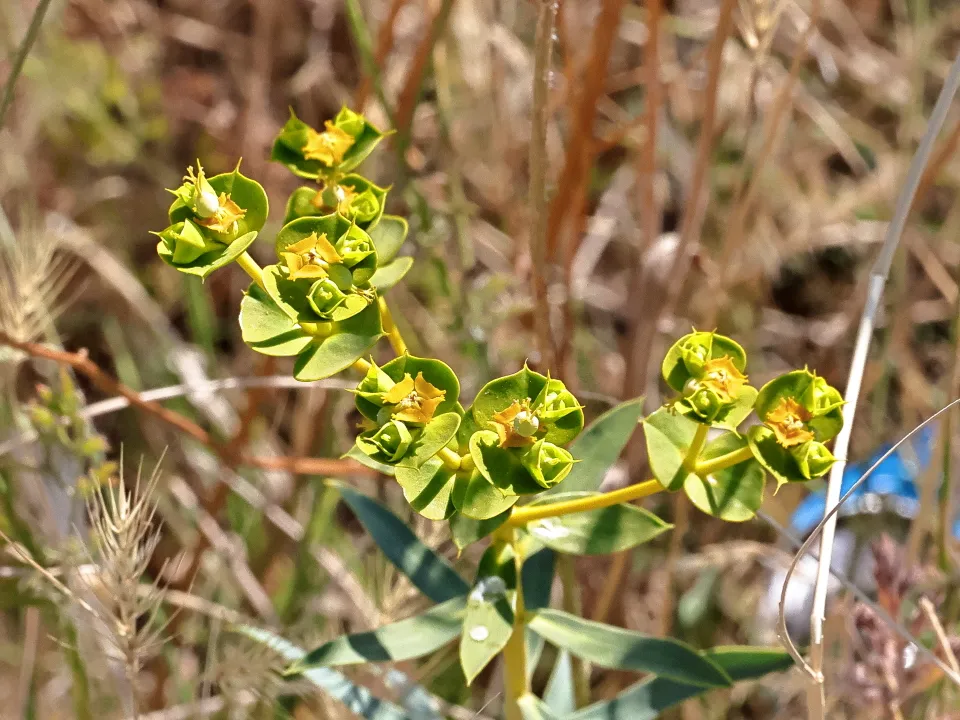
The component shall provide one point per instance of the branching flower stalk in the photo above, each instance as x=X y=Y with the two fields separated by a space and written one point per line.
x=483 y=468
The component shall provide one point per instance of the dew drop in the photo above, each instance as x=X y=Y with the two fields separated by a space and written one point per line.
x=479 y=633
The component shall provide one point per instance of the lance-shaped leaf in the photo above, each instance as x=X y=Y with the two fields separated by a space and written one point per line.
x=429 y=572
x=620 y=649
x=596 y=532
x=648 y=699
x=466 y=531
x=403 y=640
x=488 y=621
x=599 y=446
x=356 y=698
x=733 y=494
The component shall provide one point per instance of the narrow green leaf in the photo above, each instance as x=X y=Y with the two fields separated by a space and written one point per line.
x=599 y=446
x=559 y=694
x=466 y=531
x=597 y=532
x=355 y=697
x=429 y=572
x=403 y=640
x=533 y=708
x=488 y=621
x=537 y=578
x=616 y=648
x=648 y=699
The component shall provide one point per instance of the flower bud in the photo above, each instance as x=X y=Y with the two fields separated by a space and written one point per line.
x=694 y=355
x=187 y=242
x=390 y=442
x=820 y=397
x=705 y=404
x=363 y=207
x=325 y=297
x=813 y=459
x=355 y=247
x=547 y=463
x=350 y=122
x=554 y=402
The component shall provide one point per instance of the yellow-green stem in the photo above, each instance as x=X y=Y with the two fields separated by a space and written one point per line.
x=252 y=269
x=390 y=328
x=451 y=460
x=515 y=681
x=693 y=452
x=466 y=463
x=361 y=366
x=724 y=461
x=522 y=516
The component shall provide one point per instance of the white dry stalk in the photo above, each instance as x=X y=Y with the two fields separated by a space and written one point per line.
x=816 y=700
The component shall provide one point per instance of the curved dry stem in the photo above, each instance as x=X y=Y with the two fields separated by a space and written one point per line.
x=878 y=278
x=805 y=547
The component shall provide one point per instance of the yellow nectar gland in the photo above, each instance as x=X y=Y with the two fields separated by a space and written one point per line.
x=311 y=257
x=516 y=425
x=329 y=146
x=415 y=401
x=723 y=377
x=788 y=422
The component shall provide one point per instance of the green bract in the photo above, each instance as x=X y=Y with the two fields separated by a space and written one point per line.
x=321 y=350
x=707 y=369
x=354 y=197
x=343 y=144
x=800 y=412
x=686 y=359
x=388 y=444
x=547 y=463
x=213 y=221
x=371 y=393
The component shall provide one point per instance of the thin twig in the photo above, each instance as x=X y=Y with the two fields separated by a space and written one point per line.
x=80 y=362
x=21 y=57
x=878 y=277
x=542 y=69
x=931 y=612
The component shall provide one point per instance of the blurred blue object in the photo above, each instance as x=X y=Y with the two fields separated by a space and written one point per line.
x=890 y=488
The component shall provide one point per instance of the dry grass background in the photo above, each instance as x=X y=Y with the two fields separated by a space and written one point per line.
x=727 y=164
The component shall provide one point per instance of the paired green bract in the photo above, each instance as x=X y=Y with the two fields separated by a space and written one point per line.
x=508 y=444
x=798 y=413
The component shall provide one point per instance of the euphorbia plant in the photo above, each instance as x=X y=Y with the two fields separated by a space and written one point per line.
x=512 y=468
